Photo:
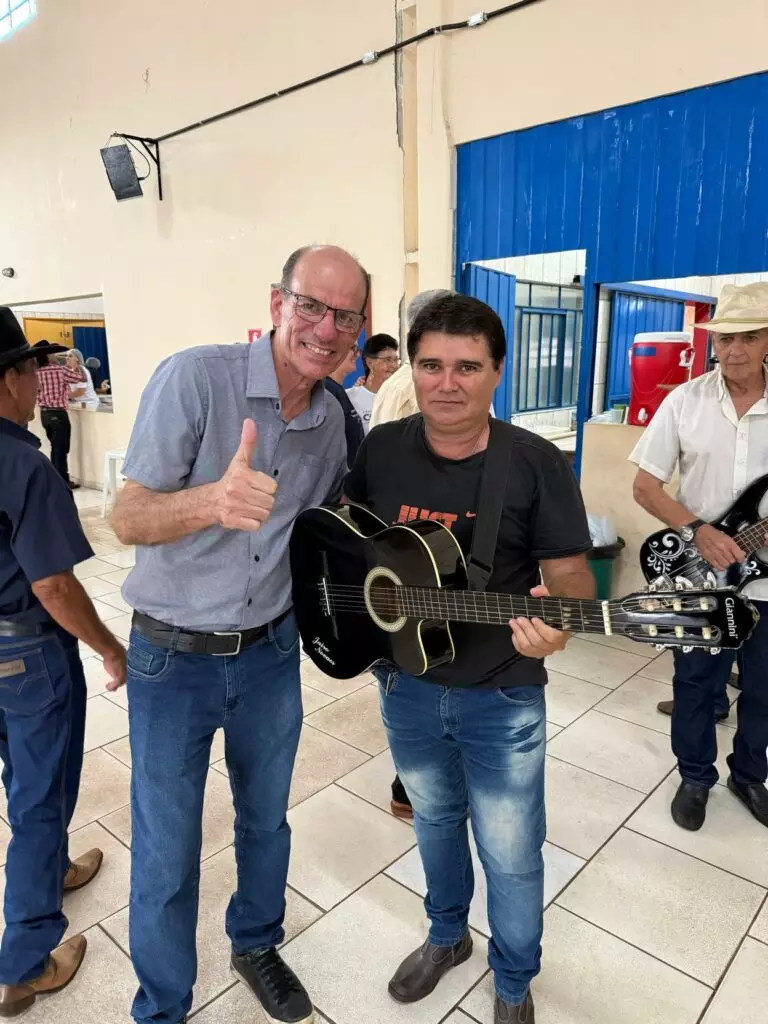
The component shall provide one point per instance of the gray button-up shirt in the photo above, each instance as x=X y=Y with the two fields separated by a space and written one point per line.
x=186 y=433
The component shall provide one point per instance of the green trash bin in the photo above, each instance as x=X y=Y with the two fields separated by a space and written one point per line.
x=601 y=561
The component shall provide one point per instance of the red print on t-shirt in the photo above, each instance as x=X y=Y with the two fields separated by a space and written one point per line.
x=410 y=512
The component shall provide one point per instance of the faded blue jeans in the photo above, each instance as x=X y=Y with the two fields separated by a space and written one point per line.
x=481 y=752
x=175 y=704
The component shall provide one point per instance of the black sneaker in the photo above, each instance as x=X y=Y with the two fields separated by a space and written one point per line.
x=282 y=996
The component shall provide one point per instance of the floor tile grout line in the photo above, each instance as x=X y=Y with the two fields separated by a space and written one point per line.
x=723 y=975
x=213 y=999
x=359 y=749
x=633 y=945
x=597 y=775
x=693 y=856
x=112 y=939
x=307 y=900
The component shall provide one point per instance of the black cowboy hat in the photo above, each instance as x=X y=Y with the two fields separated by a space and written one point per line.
x=14 y=346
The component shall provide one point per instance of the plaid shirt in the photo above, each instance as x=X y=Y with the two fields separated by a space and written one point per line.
x=53 y=386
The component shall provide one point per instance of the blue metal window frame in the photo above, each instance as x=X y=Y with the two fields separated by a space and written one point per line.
x=500 y=290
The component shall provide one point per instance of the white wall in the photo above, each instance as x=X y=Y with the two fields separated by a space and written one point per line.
x=88 y=307
x=543 y=268
x=240 y=195
x=711 y=285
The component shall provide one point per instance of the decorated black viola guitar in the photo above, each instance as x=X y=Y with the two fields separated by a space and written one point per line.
x=365 y=592
x=668 y=562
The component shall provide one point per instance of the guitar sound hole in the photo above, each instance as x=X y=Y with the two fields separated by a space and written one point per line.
x=384 y=599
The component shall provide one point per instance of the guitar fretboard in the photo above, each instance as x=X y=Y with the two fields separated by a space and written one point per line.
x=564 y=613
x=752 y=538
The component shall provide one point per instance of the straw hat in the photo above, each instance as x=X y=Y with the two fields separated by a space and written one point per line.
x=740 y=308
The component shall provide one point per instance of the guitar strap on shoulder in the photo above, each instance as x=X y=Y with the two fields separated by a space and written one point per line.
x=493 y=487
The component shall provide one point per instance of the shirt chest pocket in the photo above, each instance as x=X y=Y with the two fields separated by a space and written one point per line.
x=307 y=481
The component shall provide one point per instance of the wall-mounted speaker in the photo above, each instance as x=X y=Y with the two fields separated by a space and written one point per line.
x=121 y=172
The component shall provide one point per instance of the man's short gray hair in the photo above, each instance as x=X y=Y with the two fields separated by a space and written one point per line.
x=418 y=302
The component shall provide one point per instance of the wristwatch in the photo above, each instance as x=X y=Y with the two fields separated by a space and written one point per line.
x=688 y=531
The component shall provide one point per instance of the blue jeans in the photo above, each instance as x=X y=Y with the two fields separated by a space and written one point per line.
x=698 y=684
x=42 y=727
x=481 y=752
x=176 y=702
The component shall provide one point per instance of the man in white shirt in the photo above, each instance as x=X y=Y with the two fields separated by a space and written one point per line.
x=715 y=428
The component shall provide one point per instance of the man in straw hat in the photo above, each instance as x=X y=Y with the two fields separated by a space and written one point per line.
x=715 y=428
x=43 y=611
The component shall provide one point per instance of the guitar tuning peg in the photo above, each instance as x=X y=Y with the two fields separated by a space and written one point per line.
x=714 y=650
x=687 y=650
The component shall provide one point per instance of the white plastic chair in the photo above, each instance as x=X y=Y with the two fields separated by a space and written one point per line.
x=109 y=489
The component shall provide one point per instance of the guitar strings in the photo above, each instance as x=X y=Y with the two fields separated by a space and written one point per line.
x=393 y=606
x=555 y=604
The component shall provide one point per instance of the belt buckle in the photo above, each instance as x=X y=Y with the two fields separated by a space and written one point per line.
x=229 y=654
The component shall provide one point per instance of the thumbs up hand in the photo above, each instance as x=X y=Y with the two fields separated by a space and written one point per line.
x=244 y=497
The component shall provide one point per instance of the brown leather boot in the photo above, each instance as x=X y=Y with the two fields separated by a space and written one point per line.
x=63 y=964
x=82 y=870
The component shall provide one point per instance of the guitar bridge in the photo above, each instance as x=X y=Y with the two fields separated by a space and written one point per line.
x=325 y=597
x=326 y=605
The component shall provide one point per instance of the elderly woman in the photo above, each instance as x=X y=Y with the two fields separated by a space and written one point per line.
x=88 y=398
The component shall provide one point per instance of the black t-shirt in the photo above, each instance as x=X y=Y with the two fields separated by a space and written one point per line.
x=400 y=479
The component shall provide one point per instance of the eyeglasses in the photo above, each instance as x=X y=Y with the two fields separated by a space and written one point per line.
x=388 y=360
x=313 y=310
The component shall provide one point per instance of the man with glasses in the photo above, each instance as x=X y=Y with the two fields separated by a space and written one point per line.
x=231 y=442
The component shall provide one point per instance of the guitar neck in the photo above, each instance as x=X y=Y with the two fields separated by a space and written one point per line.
x=564 y=613
x=752 y=538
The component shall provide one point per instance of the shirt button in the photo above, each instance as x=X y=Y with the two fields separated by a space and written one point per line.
x=256 y=558
x=277 y=471
x=250 y=602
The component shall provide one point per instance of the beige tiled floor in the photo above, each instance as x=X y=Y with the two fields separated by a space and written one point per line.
x=646 y=924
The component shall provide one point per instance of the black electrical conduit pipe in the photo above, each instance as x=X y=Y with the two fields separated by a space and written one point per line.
x=152 y=145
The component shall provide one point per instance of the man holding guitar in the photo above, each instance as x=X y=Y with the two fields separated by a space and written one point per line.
x=471 y=734
x=715 y=428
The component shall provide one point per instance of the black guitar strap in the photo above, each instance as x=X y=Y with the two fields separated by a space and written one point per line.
x=493 y=487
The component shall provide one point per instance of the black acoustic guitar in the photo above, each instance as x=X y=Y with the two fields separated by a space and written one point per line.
x=669 y=563
x=365 y=592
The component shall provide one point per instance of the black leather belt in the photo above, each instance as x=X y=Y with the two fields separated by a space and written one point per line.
x=10 y=628
x=185 y=641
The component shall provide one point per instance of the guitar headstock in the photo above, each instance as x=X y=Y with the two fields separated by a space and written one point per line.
x=712 y=619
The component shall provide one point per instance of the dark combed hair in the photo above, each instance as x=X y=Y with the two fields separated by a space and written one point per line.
x=289 y=269
x=375 y=345
x=459 y=314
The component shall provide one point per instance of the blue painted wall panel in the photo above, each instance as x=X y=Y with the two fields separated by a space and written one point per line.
x=669 y=187
x=498 y=290
x=664 y=188
x=631 y=315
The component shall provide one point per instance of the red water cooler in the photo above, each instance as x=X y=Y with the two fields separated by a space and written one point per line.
x=658 y=362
